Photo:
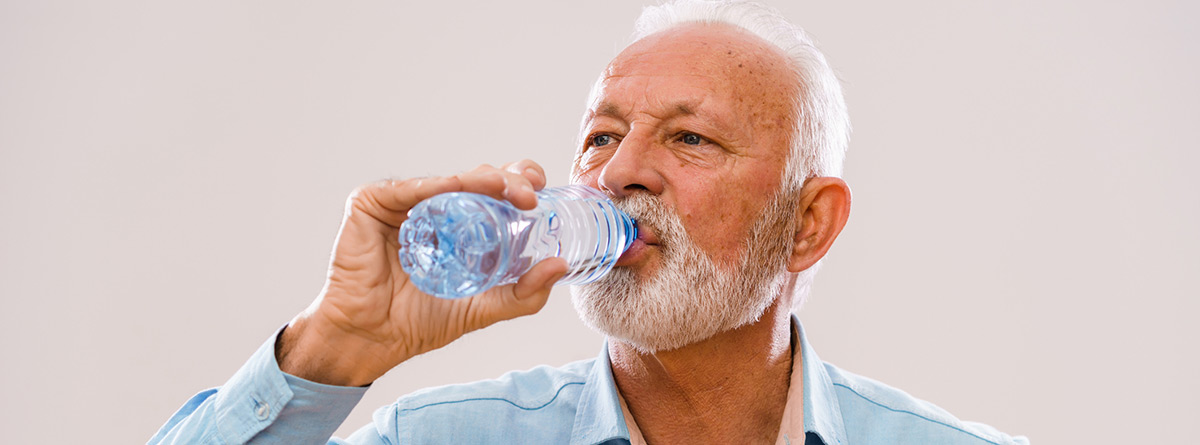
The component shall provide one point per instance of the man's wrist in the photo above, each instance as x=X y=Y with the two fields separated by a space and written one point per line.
x=308 y=349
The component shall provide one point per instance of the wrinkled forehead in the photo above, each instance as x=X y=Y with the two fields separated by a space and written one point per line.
x=751 y=72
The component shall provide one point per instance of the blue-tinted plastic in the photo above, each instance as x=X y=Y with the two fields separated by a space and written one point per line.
x=455 y=245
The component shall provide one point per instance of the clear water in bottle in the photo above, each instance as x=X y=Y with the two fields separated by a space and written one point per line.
x=456 y=245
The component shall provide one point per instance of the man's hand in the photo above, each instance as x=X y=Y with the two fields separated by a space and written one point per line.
x=370 y=317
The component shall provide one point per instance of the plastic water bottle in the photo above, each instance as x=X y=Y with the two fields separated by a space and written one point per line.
x=456 y=245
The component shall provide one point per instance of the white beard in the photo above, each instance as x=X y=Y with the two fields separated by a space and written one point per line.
x=690 y=298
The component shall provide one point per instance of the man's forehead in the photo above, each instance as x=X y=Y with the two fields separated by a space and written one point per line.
x=701 y=49
x=666 y=94
x=683 y=67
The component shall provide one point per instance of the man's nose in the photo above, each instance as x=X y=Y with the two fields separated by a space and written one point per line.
x=632 y=168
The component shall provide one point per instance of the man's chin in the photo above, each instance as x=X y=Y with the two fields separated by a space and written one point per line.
x=644 y=321
x=651 y=340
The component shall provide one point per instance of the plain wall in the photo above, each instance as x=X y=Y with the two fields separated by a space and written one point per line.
x=1022 y=249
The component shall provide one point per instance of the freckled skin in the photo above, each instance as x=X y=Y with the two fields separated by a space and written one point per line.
x=698 y=115
x=738 y=90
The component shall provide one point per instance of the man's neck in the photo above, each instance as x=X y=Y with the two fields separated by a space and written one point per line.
x=731 y=388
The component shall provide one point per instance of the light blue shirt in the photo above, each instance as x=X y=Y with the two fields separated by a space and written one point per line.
x=575 y=404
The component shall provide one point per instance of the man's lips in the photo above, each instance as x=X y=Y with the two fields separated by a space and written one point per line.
x=637 y=250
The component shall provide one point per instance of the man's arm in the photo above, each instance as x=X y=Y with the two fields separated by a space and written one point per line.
x=263 y=403
x=370 y=317
x=367 y=319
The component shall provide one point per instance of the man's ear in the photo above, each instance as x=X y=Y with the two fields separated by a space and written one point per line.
x=822 y=213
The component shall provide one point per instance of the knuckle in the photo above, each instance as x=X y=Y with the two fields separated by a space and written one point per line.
x=495 y=179
x=358 y=192
x=511 y=176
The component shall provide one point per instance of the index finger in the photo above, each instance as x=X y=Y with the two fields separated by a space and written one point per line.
x=400 y=196
x=530 y=170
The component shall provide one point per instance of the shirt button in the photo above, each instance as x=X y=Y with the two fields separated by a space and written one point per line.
x=262 y=411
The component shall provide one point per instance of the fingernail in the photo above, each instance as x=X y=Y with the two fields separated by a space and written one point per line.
x=531 y=171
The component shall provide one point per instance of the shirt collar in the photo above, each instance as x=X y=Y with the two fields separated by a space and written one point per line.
x=822 y=413
x=599 y=417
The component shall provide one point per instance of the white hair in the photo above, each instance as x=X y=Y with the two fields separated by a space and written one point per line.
x=822 y=123
x=818 y=145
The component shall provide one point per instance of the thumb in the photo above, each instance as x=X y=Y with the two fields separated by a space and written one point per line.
x=526 y=297
x=540 y=279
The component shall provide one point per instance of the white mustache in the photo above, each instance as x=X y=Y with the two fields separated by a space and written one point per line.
x=650 y=212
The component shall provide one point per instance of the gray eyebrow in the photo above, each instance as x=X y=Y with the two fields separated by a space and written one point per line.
x=612 y=110
x=609 y=109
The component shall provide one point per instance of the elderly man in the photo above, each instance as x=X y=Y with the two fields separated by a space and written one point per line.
x=721 y=130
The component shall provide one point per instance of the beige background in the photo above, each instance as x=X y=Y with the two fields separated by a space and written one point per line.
x=1022 y=250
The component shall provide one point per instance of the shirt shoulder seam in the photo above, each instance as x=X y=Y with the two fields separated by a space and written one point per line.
x=917 y=415
x=510 y=402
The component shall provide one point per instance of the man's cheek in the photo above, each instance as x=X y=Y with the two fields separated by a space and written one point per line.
x=587 y=167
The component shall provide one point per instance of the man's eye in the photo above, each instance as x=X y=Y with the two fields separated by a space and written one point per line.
x=601 y=140
x=692 y=139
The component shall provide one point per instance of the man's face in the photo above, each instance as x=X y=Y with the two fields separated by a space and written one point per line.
x=697 y=117
x=700 y=116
